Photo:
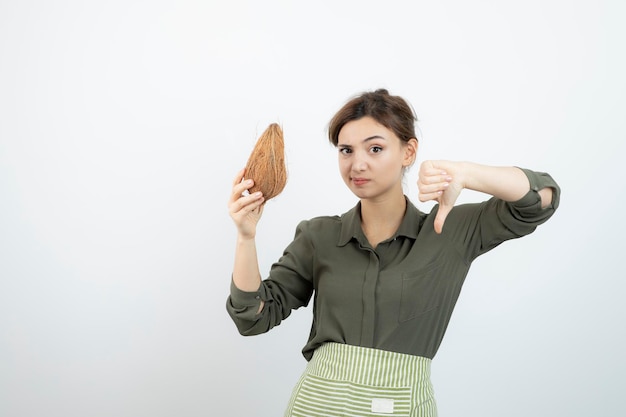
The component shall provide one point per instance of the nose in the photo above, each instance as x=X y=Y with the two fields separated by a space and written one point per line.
x=359 y=162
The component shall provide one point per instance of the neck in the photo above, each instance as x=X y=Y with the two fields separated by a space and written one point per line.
x=380 y=219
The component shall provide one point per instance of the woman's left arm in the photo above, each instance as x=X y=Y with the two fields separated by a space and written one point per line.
x=443 y=181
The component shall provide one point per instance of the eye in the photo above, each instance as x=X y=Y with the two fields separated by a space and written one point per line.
x=376 y=149
x=345 y=151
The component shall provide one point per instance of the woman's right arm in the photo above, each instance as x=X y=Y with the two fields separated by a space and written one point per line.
x=245 y=210
x=255 y=305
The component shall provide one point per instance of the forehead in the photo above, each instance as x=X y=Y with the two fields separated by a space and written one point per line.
x=363 y=129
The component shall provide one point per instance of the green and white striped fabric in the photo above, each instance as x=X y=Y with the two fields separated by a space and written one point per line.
x=352 y=381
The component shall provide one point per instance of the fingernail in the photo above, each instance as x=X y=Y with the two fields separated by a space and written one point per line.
x=249 y=182
x=257 y=194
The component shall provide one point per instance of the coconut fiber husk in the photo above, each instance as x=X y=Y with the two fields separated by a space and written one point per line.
x=266 y=165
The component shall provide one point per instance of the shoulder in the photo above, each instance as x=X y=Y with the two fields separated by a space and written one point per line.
x=331 y=221
x=319 y=224
x=329 y=230
x=324 y=220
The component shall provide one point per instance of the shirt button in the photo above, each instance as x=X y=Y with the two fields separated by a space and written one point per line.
x=258 y=297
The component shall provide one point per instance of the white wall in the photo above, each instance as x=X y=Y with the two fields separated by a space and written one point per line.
x=123 y=123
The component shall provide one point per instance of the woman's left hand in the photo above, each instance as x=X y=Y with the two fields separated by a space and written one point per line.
x=440 y=181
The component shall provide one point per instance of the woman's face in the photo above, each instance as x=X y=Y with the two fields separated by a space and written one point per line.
x=372 y=158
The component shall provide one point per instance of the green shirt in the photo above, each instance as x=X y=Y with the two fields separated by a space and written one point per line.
x=397 y=297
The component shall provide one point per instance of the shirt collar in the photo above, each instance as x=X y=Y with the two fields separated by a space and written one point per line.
x=351 y=224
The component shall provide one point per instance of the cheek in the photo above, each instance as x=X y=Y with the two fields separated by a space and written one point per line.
x=343 y=165
x=393 y=167
x=344 y=171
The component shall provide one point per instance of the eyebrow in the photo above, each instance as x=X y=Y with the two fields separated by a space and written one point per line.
x=364 y=140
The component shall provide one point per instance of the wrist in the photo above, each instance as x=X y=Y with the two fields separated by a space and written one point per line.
x=464 y=173
x=245 y=239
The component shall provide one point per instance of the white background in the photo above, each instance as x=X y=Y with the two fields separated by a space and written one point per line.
x=122 y=124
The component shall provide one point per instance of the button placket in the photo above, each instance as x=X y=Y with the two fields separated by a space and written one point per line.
x=369 y=299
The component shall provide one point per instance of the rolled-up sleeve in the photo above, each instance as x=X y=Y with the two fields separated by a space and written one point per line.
x=288 y=287
x=538 y=181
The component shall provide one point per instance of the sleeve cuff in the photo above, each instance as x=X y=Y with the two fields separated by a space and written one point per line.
x=538 y=181
x=248 y=298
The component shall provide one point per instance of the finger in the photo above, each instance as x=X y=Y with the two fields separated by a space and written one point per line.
x=434 y=178
x=255 y=205
x=433 y=188
x=259 y=208
x=239 y=176
x=430 y=170
x=431 y=165
x=246 y=203
x=240 y=188
x=424 y=197
x=440 y=218
x=255 y=208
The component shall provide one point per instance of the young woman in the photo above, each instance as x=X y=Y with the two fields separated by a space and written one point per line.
x=384 y=276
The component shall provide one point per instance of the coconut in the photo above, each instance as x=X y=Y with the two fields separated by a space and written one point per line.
x=266 y=164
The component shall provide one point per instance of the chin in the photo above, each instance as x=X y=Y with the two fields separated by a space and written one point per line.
x=361 y=194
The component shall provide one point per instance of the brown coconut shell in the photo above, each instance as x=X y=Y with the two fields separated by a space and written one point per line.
x=266 y=164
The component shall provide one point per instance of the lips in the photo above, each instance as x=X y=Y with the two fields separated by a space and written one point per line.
x=360 y=181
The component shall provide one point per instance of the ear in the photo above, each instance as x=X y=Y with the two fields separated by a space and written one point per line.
x=410 y=152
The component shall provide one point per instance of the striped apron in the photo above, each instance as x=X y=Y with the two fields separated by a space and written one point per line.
x=343 y=380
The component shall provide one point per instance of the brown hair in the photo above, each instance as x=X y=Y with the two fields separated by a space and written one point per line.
x=393 y=112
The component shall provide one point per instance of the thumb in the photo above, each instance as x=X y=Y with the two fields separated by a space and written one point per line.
x=440 y=218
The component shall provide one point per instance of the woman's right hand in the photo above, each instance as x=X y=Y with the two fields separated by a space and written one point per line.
x=245 y=210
